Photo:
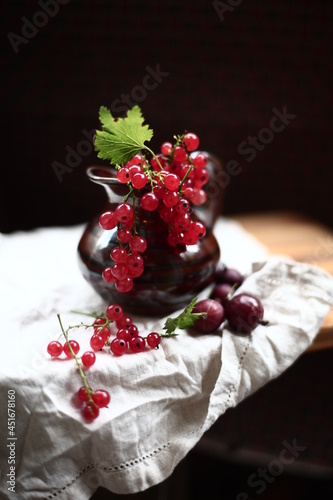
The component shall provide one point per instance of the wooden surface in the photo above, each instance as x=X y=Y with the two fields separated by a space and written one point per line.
x=304 y=240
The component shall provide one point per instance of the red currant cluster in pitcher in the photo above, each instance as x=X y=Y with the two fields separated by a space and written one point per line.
x=172 y=181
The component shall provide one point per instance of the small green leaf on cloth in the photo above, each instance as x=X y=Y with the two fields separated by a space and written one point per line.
x=184 y=320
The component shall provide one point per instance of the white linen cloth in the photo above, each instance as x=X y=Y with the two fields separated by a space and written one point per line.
x=162 y=400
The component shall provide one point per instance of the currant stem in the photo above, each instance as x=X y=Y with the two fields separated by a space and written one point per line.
x=153 y=154
x=133 y=204
x=129 y=192
x=82 y=375
x=71 y=327
x=184 y=178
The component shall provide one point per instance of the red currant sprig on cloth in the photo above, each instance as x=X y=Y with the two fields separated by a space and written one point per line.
x=126 y=339
x=176 y=178
x=93 y=400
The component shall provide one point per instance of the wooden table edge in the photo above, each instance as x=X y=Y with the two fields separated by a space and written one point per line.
x=301 y=242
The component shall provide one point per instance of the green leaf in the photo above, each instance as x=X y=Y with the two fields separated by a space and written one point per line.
x=184 y=320
x=121 y=138
x=105 y=118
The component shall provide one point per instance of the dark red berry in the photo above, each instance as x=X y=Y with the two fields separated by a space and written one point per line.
x=221 y=291
x=214 y=315
x=244 y=312
x=229 y=275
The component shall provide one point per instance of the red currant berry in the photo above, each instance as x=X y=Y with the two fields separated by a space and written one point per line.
x=199 y=197
x=124 y=322
x=153 y=339
x=108 y=220
x=124 y=212
x=75 y=347
x=137 y=344
x=149 y=202
x=132 y=331
x=197 y=229
x=172 y=181
x=124 y=235
x=83 y=393
x=124 y=285
x=97 y=342
x=114 y=312
x=88 y=358
x=135 y=169
x=166 y=148
x=157 y=164
x=183 y=206
x=183 y=169
x=138 y=244
x=54 y=349
x=135 y=265
x=159 y=191
x=101 y=398
x=118 y=254
x=120 y=271
x=166 y=213
x=129 y=223
x=107 y=275
x=182 y=221
x=179 y=154
x=99 y=321
x=90 y=412
x=123 y=175
x=175 y=238
x=191 y=141
x=189 y=238
x=122 y=334
x=171 y=198
x=201 y=177
x=136 y=160
x=200 y=160
x=103 y=332
x=118 y=346
x=174 y=168
x=188 y=192
x=139 y=180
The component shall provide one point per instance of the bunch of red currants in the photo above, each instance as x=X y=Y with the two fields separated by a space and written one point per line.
x=171 y=181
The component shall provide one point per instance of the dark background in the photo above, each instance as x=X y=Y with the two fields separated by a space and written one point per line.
x=226 y=72
x=225 y=76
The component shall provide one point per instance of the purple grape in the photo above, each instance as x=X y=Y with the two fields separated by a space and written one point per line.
x=229 y=275
x=244 y=312
x=214 y=317
x=221 y=291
